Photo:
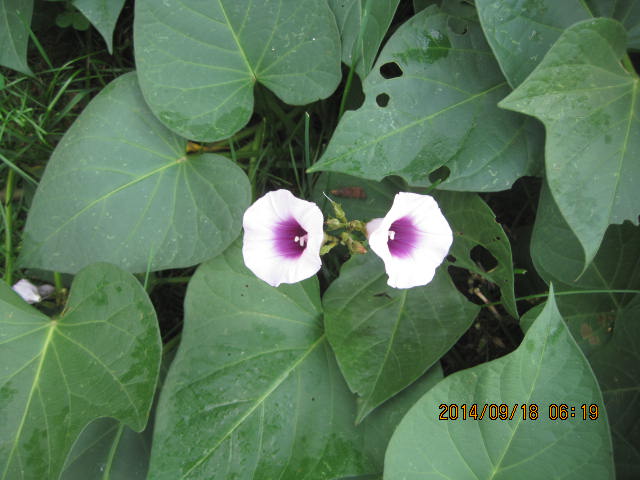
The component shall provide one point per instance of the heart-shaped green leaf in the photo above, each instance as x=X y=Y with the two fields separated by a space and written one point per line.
x=593 y=131
x=120 y=188
x=547 y=368
x=431 y=101
x=198 y=61
x=254 y=392
x=362 y=24
x=386 y=338
x=15 y=18
x=99 y=358
x=103 y=14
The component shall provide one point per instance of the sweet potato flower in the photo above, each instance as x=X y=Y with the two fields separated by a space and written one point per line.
x=412 y=239
x=282 y=238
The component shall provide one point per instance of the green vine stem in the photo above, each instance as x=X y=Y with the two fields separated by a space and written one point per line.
x=628 y=65
x=568 y=292
x=8 y=228
x=354 y=60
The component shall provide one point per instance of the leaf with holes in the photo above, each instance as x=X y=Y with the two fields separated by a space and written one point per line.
x=99 y=358
x=120 y=188
x=547 y=368
x=385 y=338
x=437 y=107
x=254 y=392
x=593 y=133
x=475 y=227
x=103 y=14
x=199 y=61
x=15 y=17
x=362 y=24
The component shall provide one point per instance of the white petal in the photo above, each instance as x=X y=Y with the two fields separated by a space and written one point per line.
x=259 y=252
x=373 y=225
x=27 y=290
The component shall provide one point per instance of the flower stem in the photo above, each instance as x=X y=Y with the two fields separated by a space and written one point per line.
x=347 y=88
x=354 y=58
x=253 y=161
x=60 y=290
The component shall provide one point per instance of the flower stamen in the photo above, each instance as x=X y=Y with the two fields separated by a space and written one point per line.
x=301 y=240
x=391 y=234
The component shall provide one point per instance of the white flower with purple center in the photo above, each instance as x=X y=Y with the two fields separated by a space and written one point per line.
x=282 y=238
x=412 y=239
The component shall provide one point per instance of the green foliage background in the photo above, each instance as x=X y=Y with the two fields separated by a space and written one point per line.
x=130 y=153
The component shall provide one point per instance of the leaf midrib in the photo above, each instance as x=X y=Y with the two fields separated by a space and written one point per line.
x=408 y=126
x=363 y=411
x=258 y=402
x=105 y=197
x=237 y=40
x=36 y=379
x=498 y=465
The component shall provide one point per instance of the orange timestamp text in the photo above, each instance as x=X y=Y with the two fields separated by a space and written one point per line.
x=529 y=411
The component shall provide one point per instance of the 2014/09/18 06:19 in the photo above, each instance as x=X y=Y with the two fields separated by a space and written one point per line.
x=502 y=411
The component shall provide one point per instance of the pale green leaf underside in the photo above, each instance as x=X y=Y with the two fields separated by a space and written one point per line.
x=593 y=131
x=547 y=368
x=442 y=110
x=198 y=61
x=108 y=450
x=119 y=188
x=385 y=338
x=103 y=14
x=362 y=24
x=254 y=392
x=15 y=21
x=100 y=358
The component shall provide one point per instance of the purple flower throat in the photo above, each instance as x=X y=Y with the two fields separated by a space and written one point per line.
x=403 y=238
x=290 y=238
